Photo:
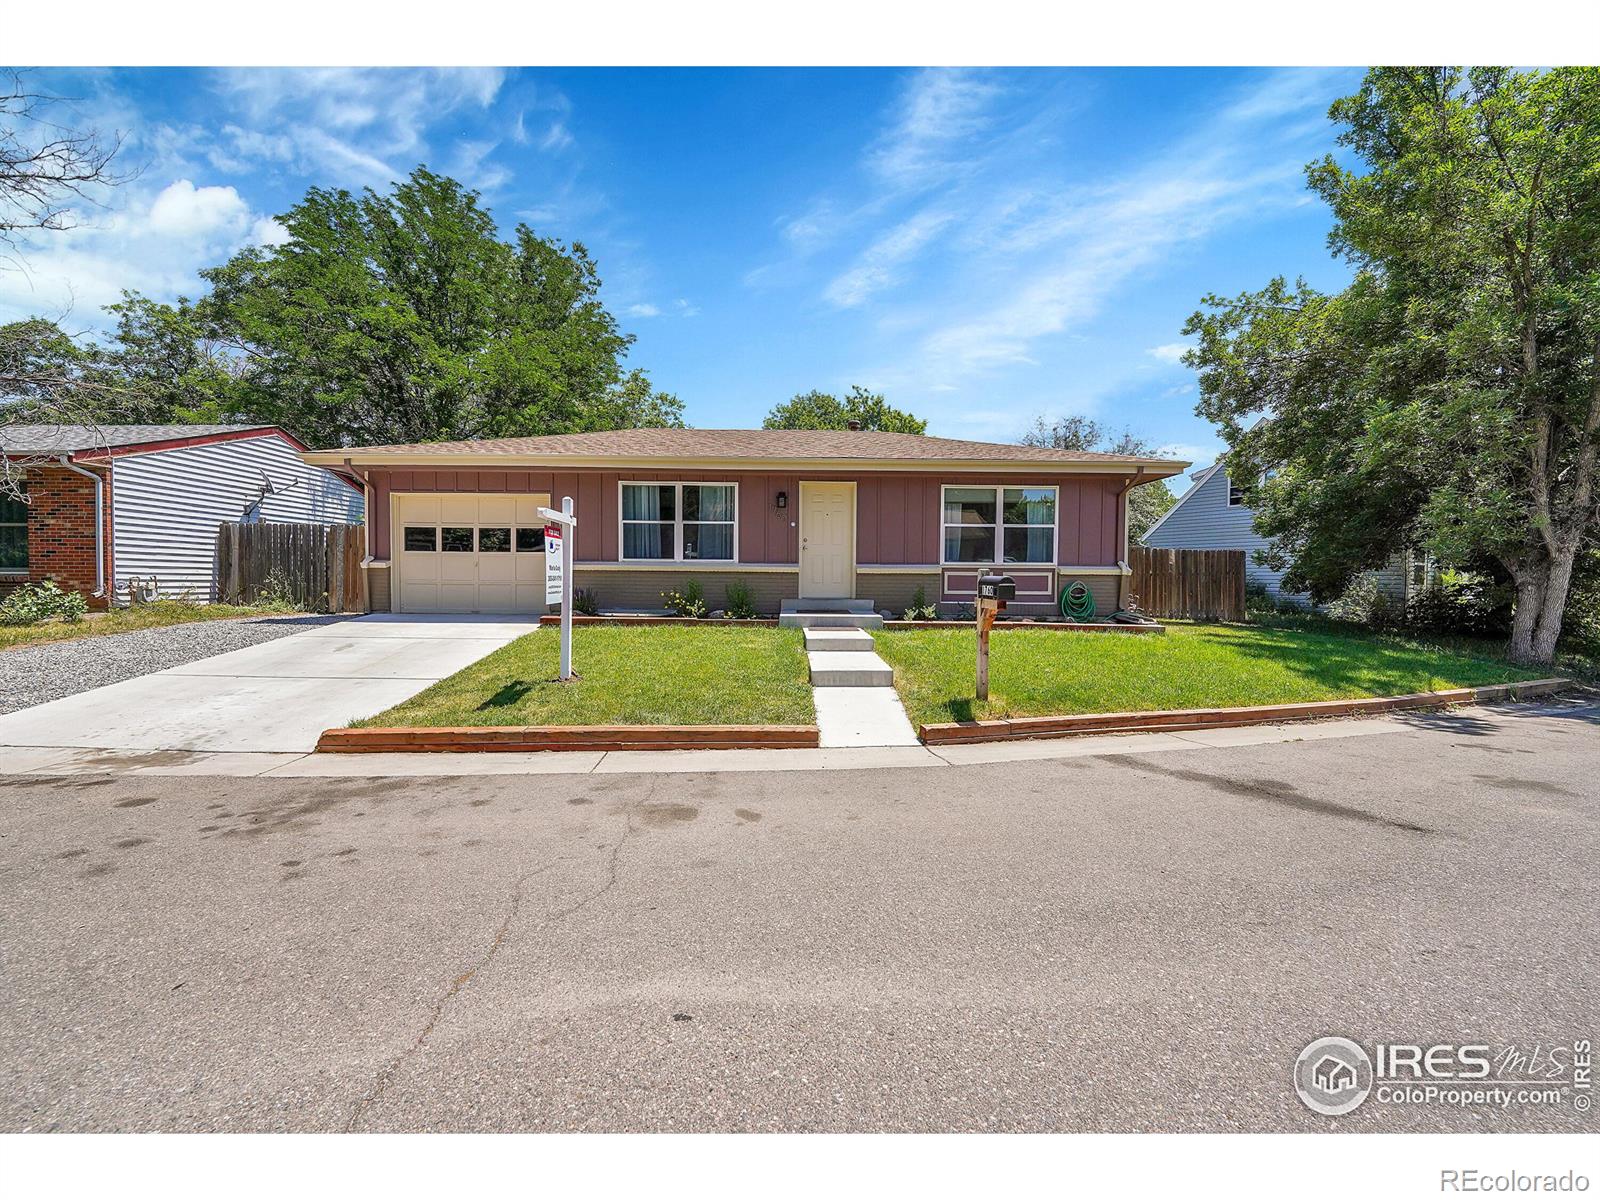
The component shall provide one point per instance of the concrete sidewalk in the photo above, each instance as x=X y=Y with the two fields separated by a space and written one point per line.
x=273 y=698
x=45 y=760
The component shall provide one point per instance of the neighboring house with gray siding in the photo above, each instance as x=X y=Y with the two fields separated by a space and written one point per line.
x=159 y=491
x=1212 y=515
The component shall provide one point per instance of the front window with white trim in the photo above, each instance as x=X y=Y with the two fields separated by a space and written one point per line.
x=999 y=524
x=679 y=522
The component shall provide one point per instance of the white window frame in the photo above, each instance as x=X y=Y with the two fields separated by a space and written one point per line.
x=23 y=525
x=1000 y=525
x=677 y=520
x=1235 y=493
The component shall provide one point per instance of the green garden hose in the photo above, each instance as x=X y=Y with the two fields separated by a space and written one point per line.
x=1077 y=602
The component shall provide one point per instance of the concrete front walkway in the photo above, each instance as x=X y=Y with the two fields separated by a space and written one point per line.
x=274 y=698
x=853 y=689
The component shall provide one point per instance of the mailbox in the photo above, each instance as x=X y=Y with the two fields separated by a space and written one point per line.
x=996 y=587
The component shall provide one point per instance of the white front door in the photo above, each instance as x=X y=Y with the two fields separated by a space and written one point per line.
x=468 y=553
x=827 y=540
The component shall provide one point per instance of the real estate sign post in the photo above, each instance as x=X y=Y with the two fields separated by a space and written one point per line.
x=559 y=536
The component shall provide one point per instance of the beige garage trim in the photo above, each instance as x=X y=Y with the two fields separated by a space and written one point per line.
x=457 y=552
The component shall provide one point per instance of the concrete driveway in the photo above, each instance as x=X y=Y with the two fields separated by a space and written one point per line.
x=1139 y=941
x=273 y=697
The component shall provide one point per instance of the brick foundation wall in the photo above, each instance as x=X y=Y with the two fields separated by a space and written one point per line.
x=894 y=590
x=642 y=588
x=61 y=532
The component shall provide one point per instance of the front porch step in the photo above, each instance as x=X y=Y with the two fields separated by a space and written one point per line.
x=827 y=604
x=848 y=639
x=830 y=620
x=849 y=668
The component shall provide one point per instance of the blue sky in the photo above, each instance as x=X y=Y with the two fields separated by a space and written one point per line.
x=983 y=246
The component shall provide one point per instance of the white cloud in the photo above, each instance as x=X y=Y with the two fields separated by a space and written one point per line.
x=678 y=308
x=1172 y=352
x=941 y=111
x=183 y=210
x=268 y=232
x=879 y=265
x=556 y=137
x=1199 y=455
x=1043 y=259
x=353 y=123
x=472 y=167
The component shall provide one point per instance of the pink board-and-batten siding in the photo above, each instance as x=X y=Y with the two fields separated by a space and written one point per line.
x=898 y=518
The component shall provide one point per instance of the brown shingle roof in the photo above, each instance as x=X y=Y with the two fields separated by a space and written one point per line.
x=787 y=444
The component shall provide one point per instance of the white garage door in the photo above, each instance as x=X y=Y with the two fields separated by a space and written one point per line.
x=469 y=553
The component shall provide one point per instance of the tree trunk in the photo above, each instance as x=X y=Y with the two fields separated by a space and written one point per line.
x=1525 y=616
x=1554 y=607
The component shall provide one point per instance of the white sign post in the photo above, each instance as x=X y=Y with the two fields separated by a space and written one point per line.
x=559 y=536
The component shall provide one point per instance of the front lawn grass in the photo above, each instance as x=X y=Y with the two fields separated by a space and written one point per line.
x=631 y=675
x=1035 y=673
x=121 y=620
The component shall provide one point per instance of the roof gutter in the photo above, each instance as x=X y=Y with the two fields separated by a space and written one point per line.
x=1151 y=469
x=99 y=522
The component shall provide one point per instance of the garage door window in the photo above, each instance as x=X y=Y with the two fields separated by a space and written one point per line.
x=494 y=540
x=457 y=539
x=530 y=541
x=422 y=537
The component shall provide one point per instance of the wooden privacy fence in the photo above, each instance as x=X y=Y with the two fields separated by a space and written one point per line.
x=316 y=567
x=1201 y=585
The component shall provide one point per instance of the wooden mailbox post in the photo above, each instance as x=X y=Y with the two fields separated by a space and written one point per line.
x=993 y=592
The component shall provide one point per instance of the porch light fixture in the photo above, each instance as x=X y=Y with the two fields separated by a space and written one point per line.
x=783 y=499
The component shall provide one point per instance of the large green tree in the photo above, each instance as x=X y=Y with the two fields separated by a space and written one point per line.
x=820 y=410
x=402 y=317
x=1147 y=502
x=1450 y=395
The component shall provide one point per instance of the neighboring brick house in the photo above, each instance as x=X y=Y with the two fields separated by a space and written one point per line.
x=161 y=491
x=801 y=515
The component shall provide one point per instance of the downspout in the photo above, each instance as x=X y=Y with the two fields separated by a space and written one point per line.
x=366 y=522
x=1122 y=580
x=99 y=524
x=366 y=503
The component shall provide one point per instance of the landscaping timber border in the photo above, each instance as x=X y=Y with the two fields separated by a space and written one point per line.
x=1176 y=720
x=412 y=739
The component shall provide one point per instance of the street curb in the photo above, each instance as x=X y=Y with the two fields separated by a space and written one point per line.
x=1169 y=720
x=411 y=739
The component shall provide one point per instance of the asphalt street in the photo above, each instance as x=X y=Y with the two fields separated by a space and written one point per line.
x=1117 y=943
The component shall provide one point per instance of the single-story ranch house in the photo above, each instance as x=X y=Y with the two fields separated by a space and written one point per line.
x=796 y=515
x=159 y=492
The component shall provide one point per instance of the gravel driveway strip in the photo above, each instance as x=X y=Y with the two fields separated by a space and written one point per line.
x=37 y=674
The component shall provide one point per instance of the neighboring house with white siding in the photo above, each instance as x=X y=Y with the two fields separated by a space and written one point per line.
x=159 y=491
x=1212 y=515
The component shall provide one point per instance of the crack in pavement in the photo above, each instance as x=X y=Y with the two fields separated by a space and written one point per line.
x=502 y=934
x=386 y=1076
